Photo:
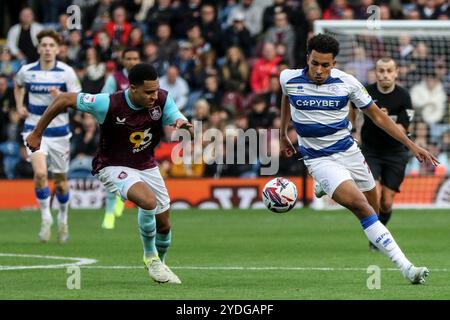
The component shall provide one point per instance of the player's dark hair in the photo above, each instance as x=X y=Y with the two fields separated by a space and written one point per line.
x=323 y=43
x=131 y=49
x=49 y=33
x=388 y=59
x=142 y=72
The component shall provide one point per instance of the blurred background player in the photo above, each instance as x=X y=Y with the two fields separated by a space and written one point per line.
x=386 y=157
x=131 y=124
x=118 y=80
x=45 y=79
x=317 y=100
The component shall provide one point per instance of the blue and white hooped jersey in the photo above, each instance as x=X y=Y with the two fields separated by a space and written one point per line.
x=38 y=84
x=319 y=112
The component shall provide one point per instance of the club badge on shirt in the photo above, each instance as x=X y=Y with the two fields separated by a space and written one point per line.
x=155 y=113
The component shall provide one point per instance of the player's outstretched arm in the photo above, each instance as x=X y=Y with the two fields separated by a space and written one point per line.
x=382 y=120
x=60 y=104
x=286 y=146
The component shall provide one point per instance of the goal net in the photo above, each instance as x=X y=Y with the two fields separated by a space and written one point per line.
x=422 y=52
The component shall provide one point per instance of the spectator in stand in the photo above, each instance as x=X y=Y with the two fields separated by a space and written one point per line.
x=429 y=10
x=103 y=46
x=96 y=16
x=63 y=56
x=263 y=67
x=159 y=13
x=136 y=38
x=252 y=16
x=405 y=48
x=152 y=56
x=273 y=96
x=201 y=111
x=187 y=13
x=186 y=64
x=235 y=71
x=168 y=47
x=63 y=28
x=260 y=117
x=84 y=142
x=238 y=35
x=429 y=99
x=176 y=85
x=7 y=104
x=8 y=66
x=210 y=28
x=270 y=11
x=200 y=46
x=22 y=41
x=360 y=65
x=119 y=28
x=361 y=12
x=74 y=48
x=421 y=63
x=212 y=93
x=336 y=10
x=94 y=79
x=282 y=33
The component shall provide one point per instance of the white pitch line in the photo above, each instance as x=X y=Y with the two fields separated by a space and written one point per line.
x=256 y=268
x=78 y=261
x=86 y=263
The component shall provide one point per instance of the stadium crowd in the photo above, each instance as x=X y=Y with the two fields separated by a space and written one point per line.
x=221 y=61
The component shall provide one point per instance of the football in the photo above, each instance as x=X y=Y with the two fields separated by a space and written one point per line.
x=279 y=195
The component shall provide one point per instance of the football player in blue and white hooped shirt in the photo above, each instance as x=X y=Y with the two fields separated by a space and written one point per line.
x=44 y=80
x=316 y=98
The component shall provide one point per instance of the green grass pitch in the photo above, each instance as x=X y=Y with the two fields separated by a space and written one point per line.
x=237 y=254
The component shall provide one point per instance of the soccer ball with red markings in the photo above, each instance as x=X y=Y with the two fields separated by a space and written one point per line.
x=279 y=195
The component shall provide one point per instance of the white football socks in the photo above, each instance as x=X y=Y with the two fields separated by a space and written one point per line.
x=380 y=236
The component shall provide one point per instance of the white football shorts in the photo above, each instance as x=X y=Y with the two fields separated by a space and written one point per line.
x=57 y=151
x=331 y=171
x=119 y=180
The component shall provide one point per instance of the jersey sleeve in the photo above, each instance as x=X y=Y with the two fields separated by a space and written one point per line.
x=110 y=85
x=171 y=112
x=283 y=80
x=95 y=104
x=358 y=93
x=406 y=115
x=20 y=77
x=73 y=84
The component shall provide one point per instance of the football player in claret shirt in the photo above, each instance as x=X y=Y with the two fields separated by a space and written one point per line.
x=131 y=125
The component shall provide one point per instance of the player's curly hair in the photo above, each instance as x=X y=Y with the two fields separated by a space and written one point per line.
x=323 y=43
x=49 y=33
x=142 y=72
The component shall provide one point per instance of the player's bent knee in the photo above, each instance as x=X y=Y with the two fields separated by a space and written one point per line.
x=148 y=203
x=40 y=176
x=360 y=206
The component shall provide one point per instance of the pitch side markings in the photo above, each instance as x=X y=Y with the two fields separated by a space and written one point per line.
x=78 y=261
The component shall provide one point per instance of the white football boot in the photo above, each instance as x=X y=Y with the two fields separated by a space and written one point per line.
x=156 y=269
x=173 y=278
x=63 y=232
x=416 y=275
x=46 y=230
